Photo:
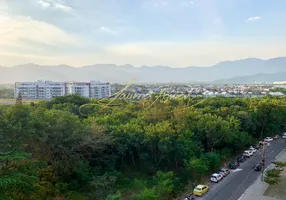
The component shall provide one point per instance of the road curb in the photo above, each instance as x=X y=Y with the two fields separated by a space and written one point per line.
x=258 y=180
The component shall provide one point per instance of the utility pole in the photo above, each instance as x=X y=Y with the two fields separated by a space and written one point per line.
x=263 y=160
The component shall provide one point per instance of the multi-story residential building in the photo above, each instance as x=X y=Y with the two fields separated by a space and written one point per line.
x=99 y=89
x=49 y=89
x=28 y=90
x=80 y=88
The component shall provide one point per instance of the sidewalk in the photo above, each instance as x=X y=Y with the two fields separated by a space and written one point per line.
x=257 y=189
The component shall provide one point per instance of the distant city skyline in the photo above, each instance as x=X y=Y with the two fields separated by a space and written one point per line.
x=176 y=33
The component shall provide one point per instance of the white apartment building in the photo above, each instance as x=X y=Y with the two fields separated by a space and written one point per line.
x=99 y=89
x=49 y=89
x=80 y=88
x=28 y=90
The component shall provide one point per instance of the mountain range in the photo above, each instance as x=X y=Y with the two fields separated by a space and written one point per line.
x=240 y=71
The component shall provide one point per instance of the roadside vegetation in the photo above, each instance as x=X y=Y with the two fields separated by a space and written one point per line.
x=276 y=179
x=142 y=150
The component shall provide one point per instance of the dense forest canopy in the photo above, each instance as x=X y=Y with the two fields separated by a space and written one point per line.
x=141 y=150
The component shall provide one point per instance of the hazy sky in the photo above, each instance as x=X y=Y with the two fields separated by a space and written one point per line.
x=176 y=33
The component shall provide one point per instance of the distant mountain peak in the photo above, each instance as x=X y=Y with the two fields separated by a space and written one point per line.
x=64 y=66
x=127 y=66
x=260 y=69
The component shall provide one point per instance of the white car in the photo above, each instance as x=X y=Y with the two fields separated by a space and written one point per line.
x=216 y=177
x=268 y=139
x=247 y=153
x=284 y=135
x=253 y=149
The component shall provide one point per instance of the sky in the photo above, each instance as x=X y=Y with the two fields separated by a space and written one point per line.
x=175 y=33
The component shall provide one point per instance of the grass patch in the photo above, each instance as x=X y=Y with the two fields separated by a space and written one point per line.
x=7 y=100
x=277 y=191
x=11 y=101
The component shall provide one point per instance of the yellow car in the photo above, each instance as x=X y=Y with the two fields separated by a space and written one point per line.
x=200 y=190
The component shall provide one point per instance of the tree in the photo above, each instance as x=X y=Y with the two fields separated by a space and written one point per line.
x=164 y=184
x=19 y=99
x=18 y=176
x=6 y=93
x=144 y=149
x=146 y=194
x=272 y=177
x=116 y=196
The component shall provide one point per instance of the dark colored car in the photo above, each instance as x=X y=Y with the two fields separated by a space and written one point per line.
x=257 y=167
x=241 y=159
x=189 y=198
x=257 y=146
x=233 y=165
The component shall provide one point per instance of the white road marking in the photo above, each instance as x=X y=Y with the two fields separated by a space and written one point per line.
x=237 y=170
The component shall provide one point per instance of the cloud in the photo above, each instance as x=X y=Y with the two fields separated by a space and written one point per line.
x=3 y=7
x=161 y=4
x=169 y=3
x=26 y=55
x=107 y=30
x=253 y=19
x=172 y=53
x=55 y=5
x=15 y=30
x=44 y=4
x=201 y=53
x=63 y=7
x=187 y=3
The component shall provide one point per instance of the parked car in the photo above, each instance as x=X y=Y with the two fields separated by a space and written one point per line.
x=224 y=171
x=233 y=165
x=284 y=135
x=251 y=152
x=241 y=159
x=200 y=190
x=252 y=149
x=263 y=142
x=216 y=177
x=190 y=198
x=247 y=153
x=257 y=146
x=221 y=173
x=276 y=137
x=268 y=139
x=257 y=167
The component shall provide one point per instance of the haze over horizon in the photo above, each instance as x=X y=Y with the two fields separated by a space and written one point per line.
x=131 y=65
x=176 y=33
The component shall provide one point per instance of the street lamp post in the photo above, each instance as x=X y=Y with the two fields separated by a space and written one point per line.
x=263 y=161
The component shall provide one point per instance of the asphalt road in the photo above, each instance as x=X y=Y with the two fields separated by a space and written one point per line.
x=235 y=184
